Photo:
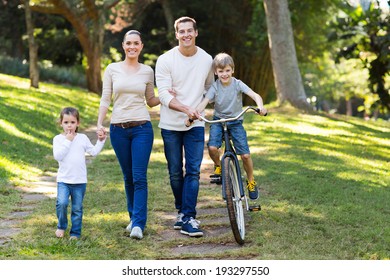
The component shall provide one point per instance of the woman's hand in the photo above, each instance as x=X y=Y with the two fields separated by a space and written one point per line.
x=101 y=132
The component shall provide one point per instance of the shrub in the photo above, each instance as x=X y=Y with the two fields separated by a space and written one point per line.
x=74 y=76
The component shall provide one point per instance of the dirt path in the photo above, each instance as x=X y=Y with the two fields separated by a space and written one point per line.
x=213 y=216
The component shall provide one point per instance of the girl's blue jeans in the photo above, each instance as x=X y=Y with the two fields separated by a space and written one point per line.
x=185 y=186
x=132 y=147
x=76 y=192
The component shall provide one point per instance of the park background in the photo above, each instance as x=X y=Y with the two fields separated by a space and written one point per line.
x=322 y=154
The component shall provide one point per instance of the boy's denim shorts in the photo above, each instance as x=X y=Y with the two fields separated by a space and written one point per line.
x=237 y=133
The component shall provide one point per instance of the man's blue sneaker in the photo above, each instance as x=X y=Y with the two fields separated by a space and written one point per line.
x=179 y=221
x=252 y=189
x=191 y=228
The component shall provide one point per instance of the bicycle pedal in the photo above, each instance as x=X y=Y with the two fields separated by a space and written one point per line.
x=255 y=208
x=216 y=180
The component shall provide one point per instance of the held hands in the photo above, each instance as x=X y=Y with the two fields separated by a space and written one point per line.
x=101 y=133
x=192 y=114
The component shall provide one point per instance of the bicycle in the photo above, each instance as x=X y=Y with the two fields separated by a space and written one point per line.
x=232 y=186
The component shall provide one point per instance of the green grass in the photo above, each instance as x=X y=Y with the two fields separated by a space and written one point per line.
x=27 y=126
x=324 y=182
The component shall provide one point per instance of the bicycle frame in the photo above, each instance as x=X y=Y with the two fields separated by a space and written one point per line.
x=230 y=152
x=232 y=186
x=229 y=149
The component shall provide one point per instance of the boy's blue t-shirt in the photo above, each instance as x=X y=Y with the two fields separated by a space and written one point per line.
x=227 y=100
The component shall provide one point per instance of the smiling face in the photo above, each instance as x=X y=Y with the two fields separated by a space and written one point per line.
x=69 y=123
x=186 y=34
x=132 y=45
x=225 y=74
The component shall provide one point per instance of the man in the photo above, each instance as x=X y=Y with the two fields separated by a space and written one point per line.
x=185 y=70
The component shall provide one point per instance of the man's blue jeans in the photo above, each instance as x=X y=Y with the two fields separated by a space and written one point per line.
x=185 y=187
x=76 y=192
x=132 y=147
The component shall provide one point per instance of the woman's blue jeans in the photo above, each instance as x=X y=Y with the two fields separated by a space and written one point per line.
x=132 y=147
x=185 y=186
x=76 y=192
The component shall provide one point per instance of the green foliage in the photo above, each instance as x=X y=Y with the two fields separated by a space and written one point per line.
x=324 y=182
x=48 y=72
x=28 y=124
x=344 y=80
x=364 y=34
x=307 y=19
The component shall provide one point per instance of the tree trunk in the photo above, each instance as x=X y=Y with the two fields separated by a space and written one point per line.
x=32 y=46
x=288 y=80
x=92 y=44
x=349 y=110
x=166 y=5
x=88 y=19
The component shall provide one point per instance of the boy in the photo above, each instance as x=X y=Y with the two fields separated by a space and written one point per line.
x=226 y=93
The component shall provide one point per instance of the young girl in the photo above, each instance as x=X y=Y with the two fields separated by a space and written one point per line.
x=69 y=150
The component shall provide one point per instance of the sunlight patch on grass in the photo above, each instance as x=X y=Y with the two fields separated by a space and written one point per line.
x=15 y=169
x=259 y=150
x=107 y=152
x=159 y=157
x=304 y=128
x=377 y=141
x=103 y=217
x=158 y=142
x=15 y=81
x=11 y=129
x=295 y=209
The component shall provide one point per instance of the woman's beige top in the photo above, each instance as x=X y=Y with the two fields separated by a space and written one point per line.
x=128 y=92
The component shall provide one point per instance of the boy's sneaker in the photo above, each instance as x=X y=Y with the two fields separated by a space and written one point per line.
x=252 y=189
x=216 y=177
x=191 y=228
x=179 y=221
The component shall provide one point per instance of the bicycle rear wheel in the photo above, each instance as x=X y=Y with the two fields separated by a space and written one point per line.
x=233 y=199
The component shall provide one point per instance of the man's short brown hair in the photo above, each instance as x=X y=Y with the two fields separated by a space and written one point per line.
x=184 y=19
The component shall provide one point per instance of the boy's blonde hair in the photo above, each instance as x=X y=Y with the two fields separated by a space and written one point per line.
x=222 y=60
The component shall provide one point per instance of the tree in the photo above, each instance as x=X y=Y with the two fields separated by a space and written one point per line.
x=33 y=47
x=11 y=31
x=364 y=34
x=88 y=18
x=222 y=28
x=288 y=80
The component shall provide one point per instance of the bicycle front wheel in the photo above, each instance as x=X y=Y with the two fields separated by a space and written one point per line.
x=233 y=199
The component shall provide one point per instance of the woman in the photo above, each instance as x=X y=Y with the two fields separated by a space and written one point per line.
x=129 y=83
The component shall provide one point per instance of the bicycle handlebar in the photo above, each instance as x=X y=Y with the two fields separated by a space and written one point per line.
x=190 y=121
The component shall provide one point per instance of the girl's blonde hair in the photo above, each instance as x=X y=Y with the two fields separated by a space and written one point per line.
x=222 y=60
x=69 y=111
